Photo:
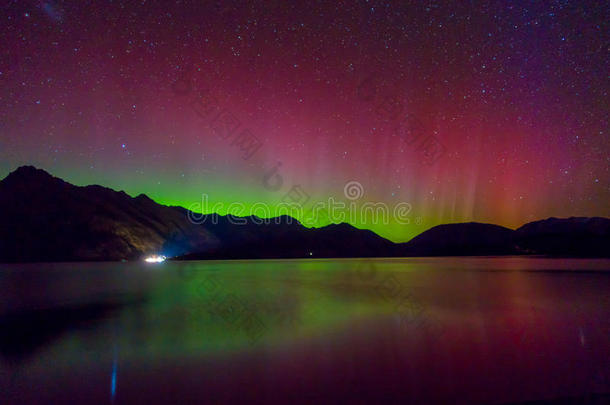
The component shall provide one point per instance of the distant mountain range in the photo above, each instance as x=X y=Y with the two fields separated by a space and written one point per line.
x=43 y=218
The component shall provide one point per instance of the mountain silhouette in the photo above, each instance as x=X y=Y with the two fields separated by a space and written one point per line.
x=575 y=236
x=43 y=218
x=285 y=237
x=462 y=239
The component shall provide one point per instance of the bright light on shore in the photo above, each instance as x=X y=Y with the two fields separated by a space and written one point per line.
x=155 y=259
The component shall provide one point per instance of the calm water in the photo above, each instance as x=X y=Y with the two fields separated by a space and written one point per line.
x=448 y=330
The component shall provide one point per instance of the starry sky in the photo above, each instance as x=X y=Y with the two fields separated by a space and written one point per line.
x=488 y=111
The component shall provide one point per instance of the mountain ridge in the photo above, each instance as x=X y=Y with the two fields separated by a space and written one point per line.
x=44 y=218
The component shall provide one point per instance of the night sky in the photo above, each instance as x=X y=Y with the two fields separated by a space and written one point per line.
x=488 y=111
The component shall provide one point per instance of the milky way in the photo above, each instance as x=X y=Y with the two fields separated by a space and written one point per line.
x=494 y=112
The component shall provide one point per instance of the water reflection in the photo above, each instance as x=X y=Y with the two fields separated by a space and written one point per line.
x=452 y=330
x=113 y=376
x=25 y=332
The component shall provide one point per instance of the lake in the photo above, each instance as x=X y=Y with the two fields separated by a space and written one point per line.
x=416 y=330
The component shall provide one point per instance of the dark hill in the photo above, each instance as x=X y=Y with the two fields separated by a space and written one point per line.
x=463 y=239
x=285 y=237
x=575 y=236
x=43 y=218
